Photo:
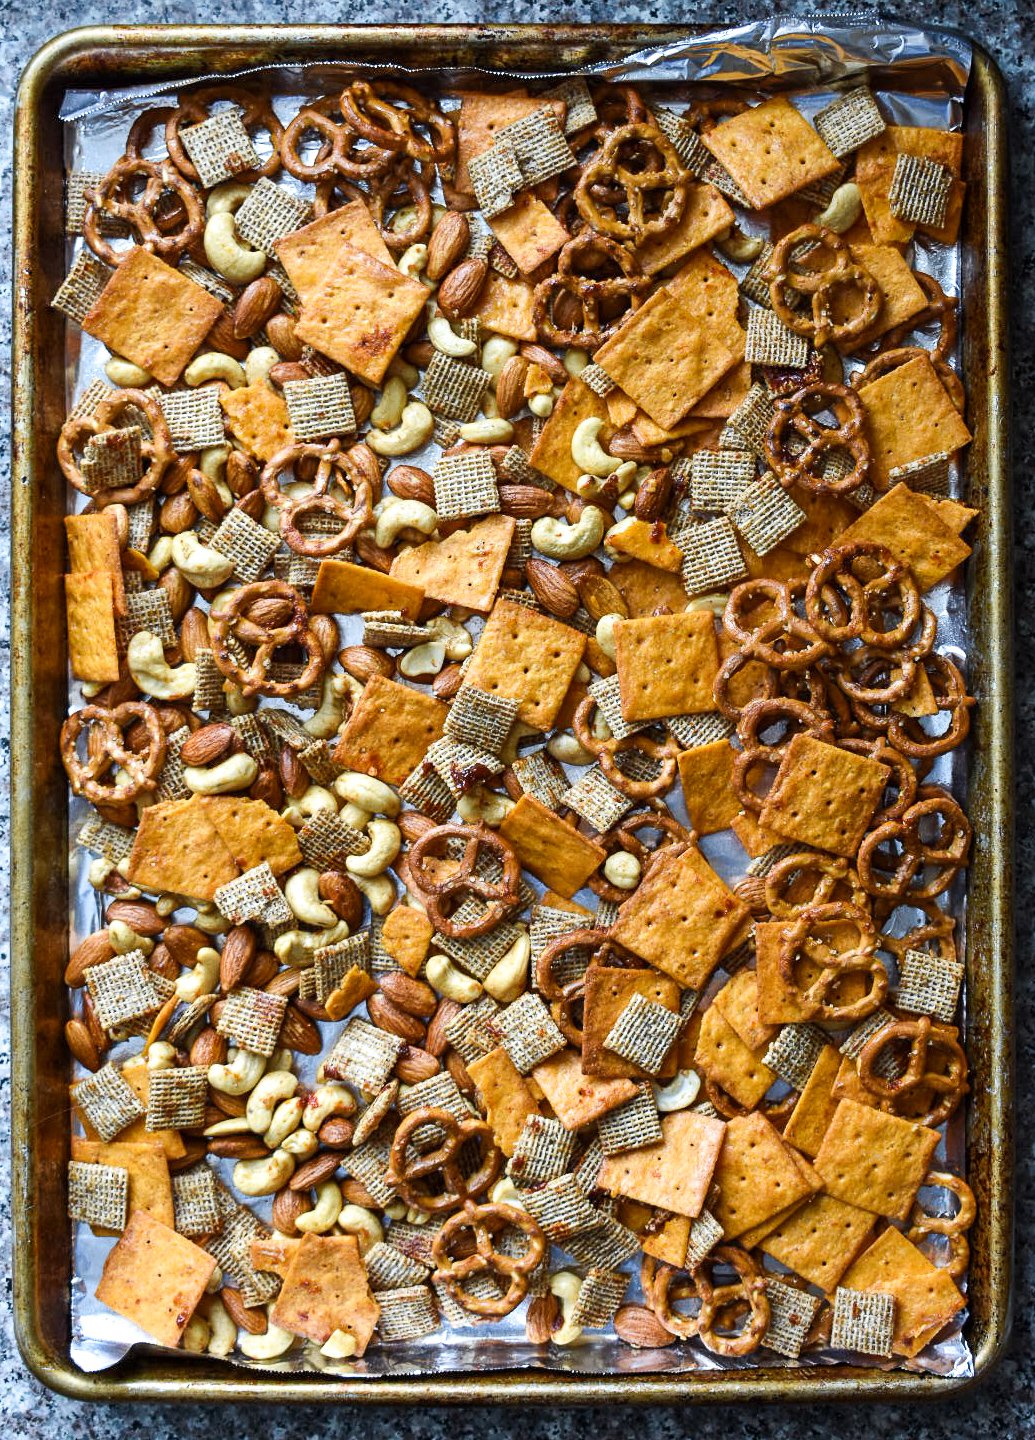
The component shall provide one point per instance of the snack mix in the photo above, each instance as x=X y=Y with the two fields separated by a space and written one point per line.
x=473 y=520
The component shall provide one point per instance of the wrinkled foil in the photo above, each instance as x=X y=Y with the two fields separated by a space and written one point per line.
x=919 y=77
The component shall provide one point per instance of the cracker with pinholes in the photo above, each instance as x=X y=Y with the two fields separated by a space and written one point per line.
x=308 y=253
x=706 y=216
x=757 y=1175
x=253 y=832
x=675 y=1174
x=667 y=665
x=528 y=231
x=578 y=1099
x=820 y=1240
x=326 y=1289
x=529 y=657
x=506 y=1096
x=389 y=730
x=554 y=851
x=728 y=1061
x=824 y=796
x=343 y=588
x=706 y=777
x=147 y=1171
x=911 y=526
x=815 y=1107
x=771 y=151
x=155 y=1278
x=258 y=418
x=93 y=647
x=874 y=1160
x=925 y=1297
x=463 y=569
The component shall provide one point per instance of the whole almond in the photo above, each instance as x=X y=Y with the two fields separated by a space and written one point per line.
x=362 y=662
x=184 y=941
x=194 y=1151
x=325 y=628
x=413 y=824
x=373 y=554
x=209 y=1048
x=653 y=495
x=90 y=1019
x=299 y=1033
x=447 y=682
x=194 y=635
x=337 y=1132
x=460 y=290
x=552 y=364
x=253 y=504
x=387 y=1016
x=448 y=244
x=239 y=949
x=542 y=1318
x=162 y=963
x=566 y=310
x=624 y=445
x=363 y=402
x=288 y=370
x=552 y=588
x=124 y=815
x=237 y=1147
x=280 y=332
x=525 y=502
x=315 y=1171
x=81 y=1046
x=94 y=950
x=284 y=982
x=510 y=386
x=252 y=1319
x=413 y=1066
x=177 y=514
x=600 y=597
x=242 y=473
x=436 y=1042
x=413 y=996
x=288 y=1205
x=256 y=303
x=362 y=464
x=293 y=775
x=354 y=1192
x=266 y=786
x=641 y=1328
x=410 y=482
x=203 y=490
x=178 y=589
x=420 y=353
x=209 y=744
x=262 y=970
x=343 y=895
x=458 y=1070
x=232 y=1105
x=222 y=337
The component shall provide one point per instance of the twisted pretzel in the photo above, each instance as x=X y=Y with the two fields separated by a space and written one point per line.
x=144 y=130
x=484 y=1222
x=953 y=1227
x=565 y=996
x=822 y=284
x=501 y=894
x=232 y=628
x=817 y=880
x=159 y=230
x=594 y=294
x=803 y=466
x=256 y=114
x=885 y=581
x=158 y=450
x=924 y=1036
x=333 y=468
x=950 y=695
x=666 y=752
x=720 y=1304
x=340 y=152
x=627 y=168
x=105 y=748
x=626 y=836
x=393 y=126
x=401 y=186
x=802 y=940
x=760 y=617
x=405 y=1170
x=945 y=855
x=756 y=717
x=940 y=307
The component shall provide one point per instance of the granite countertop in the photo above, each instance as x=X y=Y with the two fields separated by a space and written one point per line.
x=1006 y=1403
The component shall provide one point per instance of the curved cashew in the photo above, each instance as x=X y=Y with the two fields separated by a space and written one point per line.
x=298 y=948
x=623 y=869
x=449 y=981
x=339 y=1345
x=214 y=365
x=407 y=373
x=444 y=338
x=330 y=1098
x=363 y=1223
x=271 y=1345
x=222 y=1330
x=301 y=891
x=161 y=1055
x=301 y=1144
x=505 y=1192
x=198 y=563
x=715 y=603
x=209 y=919
x=574 y=361
x=228 y=197
x=196 y=1334
x=369 y=794
x=843 y=210
x=354 y=815
x=228 y=254
x=385 y=844
x=738 y=247
x=212 y=461
x=313 y=800
x=388 y=411
x=679 y=1093
x=566 y=1286
x=123 y=939
x=486 y=805
x=286 y=1119
x=605 y=632
x=561 y=541
x=379 y=892
x=264 y=1176
x=487 y=432
x=234 y=1125
x=241 y=1073
x=588 y=453
x=423 y=660
x=413 y=431
x=258 y=364
x=146 y=660
x=324 y=722
x=454 y=636
x=542 y=406
x=160 y=553
x=399 y=515
x=496 y=351
x=565 y=748
x=324 y=1214
x=274 y=1087
x=125 y=373
x=236 y=772
x=508 y=978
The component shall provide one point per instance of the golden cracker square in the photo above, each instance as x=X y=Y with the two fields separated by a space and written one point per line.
x=926 y=1297
x=529 y=657
x=554 y=851
x=674 y=1175
x=874 y=1160
x=155 y=1278
x=771 y=151
x=824 y=796
x=389 y=730
x=667 y=665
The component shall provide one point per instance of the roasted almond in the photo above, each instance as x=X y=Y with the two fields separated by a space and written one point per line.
x=410 y=482
x=239 y=949
x=372 y=554
x=653 y=495
x=413 y=1066
x=266 y=786
x=413 y=996
x=177 y=514
x=525 y=502
x=209 y=744
x=299 y=1033
x=641 y=1328
x=552 y=588
x=256 y=304
x=94 y=950
x=343 y=895
x=420 y=353
x=183 y=943
x=284 y=982
x=81 y=1045
x=286 y=370
x=288 y=1205
x=436 y=1042
x=448 y=244
x=362 y=662
x=237 y=1147
x=162 y=963
x=262 y=970
x=387 y=1016
x=222 y=337
x=447 y=682
x=315 y=1171
x=233 y=1105
x=458 y=1070
x=203 y=491
x=546 y=360
x=251 y=1319
x=293 y=775
x=194 y=1151
x=542 y=1318
x=194 y=635
x=337 y=1132
x=510 y=386
x=209 y=1048
x=242 y=473
x=280 y=332
x=354 y=1192
x=363 y=402
x=325 y=628
x=460 y=290
x=600 y=597
x=89 y=1017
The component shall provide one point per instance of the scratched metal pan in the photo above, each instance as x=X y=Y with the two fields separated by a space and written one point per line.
x=97 y=59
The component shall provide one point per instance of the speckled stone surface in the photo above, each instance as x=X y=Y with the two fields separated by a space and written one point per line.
x=1005 y=1405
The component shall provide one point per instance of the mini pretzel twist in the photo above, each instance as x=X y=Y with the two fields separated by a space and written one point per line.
x=814 y=442
x=157 y=449
x=340 y=152
x=950 y=695
x=758 y=716
x=162 y=230
x=233 y=628
x=924 y=867
x=761 y=618
x=626 y=836
x=720 y=1305
x=937 y=1067
x=407 y=1171
x=665 y=752
x=626 y=174
x=333 y=471
x=870 y=580
x=940 y=308
x=577 y=260
x=933 y=935
x=105 y=748
x=393 y=126
x=823 y=284
x=501 y=894
x=804 y=940
x=402 y=186
x=953 y=1227
x=564 y=998
x=810 y=878
x=257 y=114
x=484 y=1222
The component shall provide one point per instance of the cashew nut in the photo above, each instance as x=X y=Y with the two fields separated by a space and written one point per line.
x=99 y=872
x=236 y=772
x=423 y=660
x=363 y=1223
x=301 y=1144
x=274 y=1087
x=125 y=373
x=738 y=247
x=340 y=1345
x=199 y=563
x=222 y=1330
x=678 y=1093
x=396 y=515
x=258 y=364
x=326 y=1100
x=588 y=453
x=196 y=1335
x=298 y=948
x=324 y=1214
x=565 y=748
x=325 y=722
x=301 y=891
x=385 y=844
x=605 y=632
x=444 y=338
x=286 y=1119
x=388 y=411
x=212 y=461
x=715 y=603
x=496 y=351
x=413 y=431
x=508 y=978
x=562 y=541
x=574 y=361
x=271 y=1345
x=228 y=197
x=378 y=892
x=371 y=795
x=313 y=800
x=455 y=637
x=487 y=432
x=566 y=1286
x=623 y=869
x=234 y=1125
x=411 y=263
x=123 y=939
x=407 y=373
x=449 y=981
x=541 y=405
x=843 y=210
x=241 y=1073
x=209 y=919
x=266 y=1175
x=214 y=365
x=505 y=1192
x=161 y=1055
x=485 y=805
x=354 y=815
x=146 y=660
x=160 y=553
x=228 y=254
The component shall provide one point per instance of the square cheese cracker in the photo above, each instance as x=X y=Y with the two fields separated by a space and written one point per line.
x=155 y=1278
x=554 y=851
x=771 y=151
x=874 y=1160
x=757 y=1174
x=326 y=1289
x=579 y=1099
x=912 y=527
x=465 y=568
x=528 y=657
x=346 y=589
x=667 y=665
x=389 y=730
x=608 y=991
x=93 y=648
x=506 y=1095
x=824 y=796
x=820 y=1240
x=910 y=416
x=178 y=848
x=926 y=1297
x=528 y=231
x=308 y=254
x=674 y=1175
